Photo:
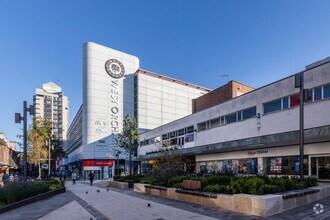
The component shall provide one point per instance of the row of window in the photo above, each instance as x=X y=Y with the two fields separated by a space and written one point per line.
x=314 y=94
x=173 y=134
x=228 y=119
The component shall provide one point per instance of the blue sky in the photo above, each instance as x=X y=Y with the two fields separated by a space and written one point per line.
x=254 y=42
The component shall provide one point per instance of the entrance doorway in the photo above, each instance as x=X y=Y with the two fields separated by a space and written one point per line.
x=321 y=167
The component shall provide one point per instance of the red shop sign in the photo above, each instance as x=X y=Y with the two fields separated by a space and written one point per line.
x=102 y=163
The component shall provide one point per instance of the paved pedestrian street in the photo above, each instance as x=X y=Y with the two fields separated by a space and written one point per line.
x=99 y=203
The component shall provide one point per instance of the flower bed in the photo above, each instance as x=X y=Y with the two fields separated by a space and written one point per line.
x=17 y=191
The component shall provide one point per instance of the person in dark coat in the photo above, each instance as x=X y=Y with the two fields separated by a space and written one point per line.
x=91 y=177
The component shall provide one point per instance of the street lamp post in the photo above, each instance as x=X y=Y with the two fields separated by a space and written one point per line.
x=18 y=119
x=299 y=83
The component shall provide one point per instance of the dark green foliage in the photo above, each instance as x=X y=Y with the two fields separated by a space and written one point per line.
x=173 y=181
x=215 y=188
x=268 y=189
x=129 y=179
x=177 y=185
x=310 y=181
x=14 y=192
x=253 y=184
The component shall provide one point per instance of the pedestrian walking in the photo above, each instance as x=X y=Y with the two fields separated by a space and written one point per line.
x=64 y=177
x=91 y=177
x=73 y=177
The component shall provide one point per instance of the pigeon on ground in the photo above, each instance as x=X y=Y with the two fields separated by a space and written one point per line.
x=107 y=189
x=86 y=192
x=98 y=191
x=148 y=204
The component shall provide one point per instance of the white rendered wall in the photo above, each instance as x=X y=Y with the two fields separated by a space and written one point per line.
x=98 y=101
x=161 y=101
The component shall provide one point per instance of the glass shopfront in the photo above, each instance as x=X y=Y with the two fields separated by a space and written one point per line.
x=240 y=166
x=320 y=167
x=285 y=165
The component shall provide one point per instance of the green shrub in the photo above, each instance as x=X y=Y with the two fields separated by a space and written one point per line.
x=238 y=185
x=310 y=181
x=217 y=179
x=177 y=185
x=269 y=189
x=215 y=188
x=254 y=184
x=14 y=192
x=176 y=180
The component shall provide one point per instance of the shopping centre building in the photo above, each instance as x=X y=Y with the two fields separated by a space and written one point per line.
x=113 y=87
x=256 y=132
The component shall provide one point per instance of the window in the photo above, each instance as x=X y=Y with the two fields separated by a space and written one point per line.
x=326 y=91
x=272 y=106
x=318 y=93
x=231 y=118
x=180 y=132
x=172 y=134
x=215 y=123
x=189 y=129
x=173 y=141
x=249 y=113
x=285 y=102
x=189 y=138
x=165 y=136
x=201 y=126
x=294 y=100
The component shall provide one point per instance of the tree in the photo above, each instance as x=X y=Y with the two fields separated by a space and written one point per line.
x=169 y=164
x=38 y=133
x=128 y=138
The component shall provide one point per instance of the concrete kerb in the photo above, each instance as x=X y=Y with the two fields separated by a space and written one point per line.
x=264 y=205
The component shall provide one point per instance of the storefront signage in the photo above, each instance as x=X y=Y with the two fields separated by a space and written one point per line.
x=252 y=153
x=102 y=163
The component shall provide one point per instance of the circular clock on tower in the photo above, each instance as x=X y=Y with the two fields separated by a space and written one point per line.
x=115 y=68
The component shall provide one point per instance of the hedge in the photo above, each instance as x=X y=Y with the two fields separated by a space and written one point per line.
x=16 y=191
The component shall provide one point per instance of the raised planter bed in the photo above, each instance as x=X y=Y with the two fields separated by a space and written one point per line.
x=263 y=205
x=119 y=185
x=32 y=200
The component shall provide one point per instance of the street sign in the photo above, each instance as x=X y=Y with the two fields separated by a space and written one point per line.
x=44 y=166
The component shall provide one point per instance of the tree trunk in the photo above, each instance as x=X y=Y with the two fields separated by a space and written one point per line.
x=130 y=164
x=39 y=171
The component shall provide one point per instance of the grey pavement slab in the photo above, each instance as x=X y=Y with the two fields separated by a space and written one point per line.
x=72 y=211
x=116 y=205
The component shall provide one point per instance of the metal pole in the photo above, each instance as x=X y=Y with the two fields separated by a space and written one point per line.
x=49 y=158
x=301 y=136
x=25 y=137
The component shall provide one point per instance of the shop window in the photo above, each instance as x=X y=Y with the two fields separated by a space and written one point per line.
x=318 y=93
x=294 y=100
x=173 y=141
x=272 y=106
x=326 y=91
x=285 y=101
x=249 y=113
x=215 y=123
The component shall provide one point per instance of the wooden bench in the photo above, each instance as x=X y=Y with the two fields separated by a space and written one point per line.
x=192 y=184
